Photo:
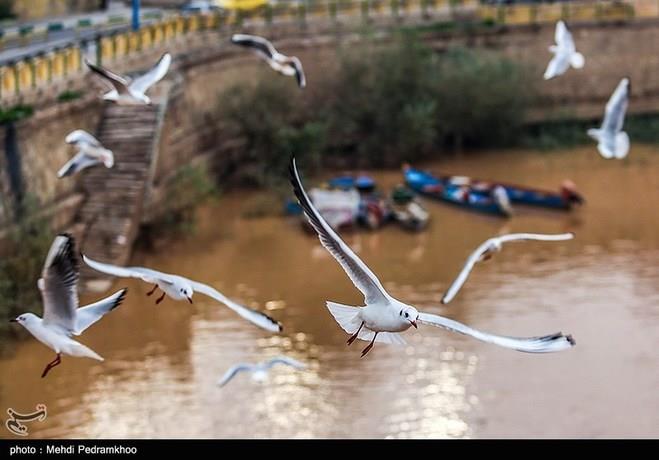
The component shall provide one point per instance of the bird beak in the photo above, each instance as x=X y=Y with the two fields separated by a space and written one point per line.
x=13 y=320
x=190 y=299
x=413 y=323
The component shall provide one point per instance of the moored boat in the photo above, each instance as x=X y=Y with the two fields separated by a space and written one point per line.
x=492 y=200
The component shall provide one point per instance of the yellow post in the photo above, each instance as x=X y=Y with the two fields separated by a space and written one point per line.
x=42 y=74
x=57 y=65
x=107 y=49
x=133 y=42
x=146 y=37
x=9 y=80
x=24 y=72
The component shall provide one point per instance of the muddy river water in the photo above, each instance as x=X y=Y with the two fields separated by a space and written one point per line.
x=162 y=362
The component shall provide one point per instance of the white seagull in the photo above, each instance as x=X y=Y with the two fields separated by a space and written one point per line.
x=90 y=153
x=61 y=317
x=565 y=53
x=488 y=248
x=180 y=288
x=612 y=141
x=259 y=370
x=383 y=317
x=286 y=65
x=127 y=91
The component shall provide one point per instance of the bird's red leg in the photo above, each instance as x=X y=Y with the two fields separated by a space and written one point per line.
x=370 y=345
x=50 y=365
x=160 y=298
x=152 y=290
x=353 y=337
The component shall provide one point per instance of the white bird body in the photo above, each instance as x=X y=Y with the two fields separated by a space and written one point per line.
x=90 y=152
x=259 y=371
x=180 y=288
x=612 y=141
x=493 y=245
x=127 y=91
x=383 y=318
x=565 y=53
x=62 y=318
x=286 y=65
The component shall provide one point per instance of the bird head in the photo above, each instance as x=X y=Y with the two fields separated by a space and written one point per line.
x=25 y=320
x=185 y=291
x=409 y=314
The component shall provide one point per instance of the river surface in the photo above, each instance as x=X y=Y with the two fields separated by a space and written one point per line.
x=162 y=362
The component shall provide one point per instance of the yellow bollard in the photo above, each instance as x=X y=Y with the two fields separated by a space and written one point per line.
x=107 y=49
x=146 y=37
x=9 y=86
x=24 y=72
x=120 y=45
x=57 y=65
x=133 y=43
x=193 y=23
x=42 y=73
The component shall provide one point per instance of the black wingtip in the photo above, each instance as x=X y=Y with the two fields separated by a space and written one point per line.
x=570 y=339
x=120 y=298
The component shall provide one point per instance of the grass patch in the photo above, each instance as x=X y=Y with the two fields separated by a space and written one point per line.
x=16 y=113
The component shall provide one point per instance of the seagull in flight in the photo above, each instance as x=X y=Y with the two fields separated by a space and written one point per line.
x=383 y=318
x=62 y=318
x=565 y=53
x=488 y=248
x=127 y=91
x=289 y=66
x=180 y=288
x=612 y=141
x=259 y=370
x=90 y=153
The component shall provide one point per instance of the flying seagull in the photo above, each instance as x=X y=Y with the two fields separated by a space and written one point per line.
x=565 y=53
x=383 y=317
x=612 y=141
x=61 y=317
x=488 y=248
x=259 y=370
x=289 y=66
x=180 y=288
x=90 y=153
x=127 y=91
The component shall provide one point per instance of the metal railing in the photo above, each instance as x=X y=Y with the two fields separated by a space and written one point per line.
x=30 y=72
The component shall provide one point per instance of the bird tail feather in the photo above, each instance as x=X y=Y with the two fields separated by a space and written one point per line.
x=622 y=145
x=577 y=60
x=348 y=318
x=82 y=351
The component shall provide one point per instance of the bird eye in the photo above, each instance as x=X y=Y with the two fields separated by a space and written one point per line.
x=407 y=315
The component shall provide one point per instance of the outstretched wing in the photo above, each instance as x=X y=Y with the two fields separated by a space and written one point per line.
x=543 y=344
x=228 y=375
x=119 y=82
x=299 y=72
x=614 y=117
x=79 y=162
x=142 y=83
x=259 y=44
x=563 y=37
x=535 y=237
x=80 y=136
x=361 y=276
x=59 y=284
x=145 y=274
x=286 y=360
x=256 y=317
x=466 y=270
x=88 y=315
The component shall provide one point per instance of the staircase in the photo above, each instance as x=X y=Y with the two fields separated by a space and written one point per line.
x=110 y=216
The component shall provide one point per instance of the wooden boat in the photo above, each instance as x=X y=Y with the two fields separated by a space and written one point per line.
x=492 y=200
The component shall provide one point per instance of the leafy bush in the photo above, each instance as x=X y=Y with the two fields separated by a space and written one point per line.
x=15 y=113
x=69 y=95
x=271 y=118
x=382 y=106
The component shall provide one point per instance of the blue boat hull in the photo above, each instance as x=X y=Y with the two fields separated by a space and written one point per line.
x=463 y=196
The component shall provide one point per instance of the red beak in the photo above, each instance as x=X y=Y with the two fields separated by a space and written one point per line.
x=189 y=299
x=413 y=323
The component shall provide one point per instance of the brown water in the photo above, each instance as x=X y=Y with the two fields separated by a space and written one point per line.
x=162 y=362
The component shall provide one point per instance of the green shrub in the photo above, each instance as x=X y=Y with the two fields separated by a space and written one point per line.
x=272 y=119
x=15 y=113
x=69 y=95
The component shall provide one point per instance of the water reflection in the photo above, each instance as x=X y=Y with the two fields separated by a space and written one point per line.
x=162 y=362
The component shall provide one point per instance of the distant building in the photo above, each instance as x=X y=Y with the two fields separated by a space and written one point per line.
x=37 y=9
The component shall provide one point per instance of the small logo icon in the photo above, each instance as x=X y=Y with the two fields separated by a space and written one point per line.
x=14 y=424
